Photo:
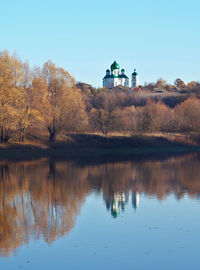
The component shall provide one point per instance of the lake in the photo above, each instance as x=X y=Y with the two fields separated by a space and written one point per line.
x=139 y=214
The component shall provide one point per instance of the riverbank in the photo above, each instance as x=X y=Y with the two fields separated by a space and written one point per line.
x=87 y=146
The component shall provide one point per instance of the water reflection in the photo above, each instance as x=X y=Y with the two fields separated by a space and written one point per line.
x=43 y=198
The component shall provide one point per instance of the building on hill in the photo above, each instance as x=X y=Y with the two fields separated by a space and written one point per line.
x=135 y=79
x=114 y=78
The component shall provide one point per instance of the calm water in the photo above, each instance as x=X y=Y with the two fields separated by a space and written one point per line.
x=125 y=215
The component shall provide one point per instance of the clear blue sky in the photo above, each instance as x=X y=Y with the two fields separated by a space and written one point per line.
x=158 y=37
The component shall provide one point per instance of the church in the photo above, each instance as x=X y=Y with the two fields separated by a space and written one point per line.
x=115 y=78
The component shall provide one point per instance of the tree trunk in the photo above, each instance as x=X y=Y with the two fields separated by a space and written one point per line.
x=1 y=138
x=52 y=134
x=5 y=135
x=21 y=136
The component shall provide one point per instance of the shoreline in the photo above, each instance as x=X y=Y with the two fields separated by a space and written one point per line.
x=95 y=154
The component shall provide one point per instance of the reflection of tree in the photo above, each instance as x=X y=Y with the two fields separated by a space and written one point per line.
x=35 y=202
x=42 y=198
x=155 y=178
x=178 y=176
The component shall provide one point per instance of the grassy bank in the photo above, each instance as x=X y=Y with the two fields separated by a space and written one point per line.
x=87 y=146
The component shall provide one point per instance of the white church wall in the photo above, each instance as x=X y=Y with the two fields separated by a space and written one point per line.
x=135 y=81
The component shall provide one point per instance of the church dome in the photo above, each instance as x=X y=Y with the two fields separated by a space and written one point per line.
x=135 y=73
x=115 y=66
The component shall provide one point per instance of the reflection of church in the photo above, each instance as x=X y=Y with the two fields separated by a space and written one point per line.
x=119 y=201
x=135 y=200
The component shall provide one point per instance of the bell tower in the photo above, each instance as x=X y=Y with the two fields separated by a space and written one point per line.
x=135 y=79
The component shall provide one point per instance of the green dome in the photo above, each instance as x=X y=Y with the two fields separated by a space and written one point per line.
x=114 y=213
x=115 y=66
x=135 y=73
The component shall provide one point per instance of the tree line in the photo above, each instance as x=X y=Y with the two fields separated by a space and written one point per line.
x=48 y=100
x=42 y=98
x=178 y=86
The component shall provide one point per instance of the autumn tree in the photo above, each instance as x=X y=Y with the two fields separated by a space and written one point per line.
x=104 y=114
x=180 y=85
x=155 y=116
x=129 y=119
x=150 y=86
x=16 y=111
x=169 y=88
x=12 y=95
x=161 y=84
x=64 y=107
x=192 y=85
x=187 y=115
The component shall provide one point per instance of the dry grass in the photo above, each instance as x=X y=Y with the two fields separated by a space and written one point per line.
x=41 y=141
x=92 y=146
x=97 y=147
